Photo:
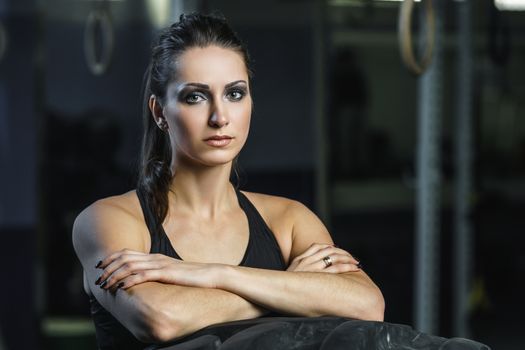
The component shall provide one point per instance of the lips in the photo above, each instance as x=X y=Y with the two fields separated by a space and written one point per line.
x=218 y=141
x=218 y=137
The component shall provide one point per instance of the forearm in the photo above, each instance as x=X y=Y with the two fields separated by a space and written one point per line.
x=306 y=293
x=172 y=311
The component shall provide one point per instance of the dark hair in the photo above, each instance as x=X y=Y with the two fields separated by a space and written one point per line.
x=193 y=30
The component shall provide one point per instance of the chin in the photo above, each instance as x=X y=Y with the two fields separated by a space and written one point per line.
x=214 y=159
x=217 y=161
x=200 y=156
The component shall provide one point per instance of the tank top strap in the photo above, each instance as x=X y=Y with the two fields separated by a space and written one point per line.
x=160 y=242
x=149 y=217
x=264 y=247
x=253 y=214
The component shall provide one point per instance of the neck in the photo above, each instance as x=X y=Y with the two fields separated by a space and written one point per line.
x=201 y=190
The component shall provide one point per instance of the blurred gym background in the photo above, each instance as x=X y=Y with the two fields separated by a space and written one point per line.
x=404 y=129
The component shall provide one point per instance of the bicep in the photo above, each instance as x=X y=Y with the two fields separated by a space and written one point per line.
x=307 y=229
x=98 y=232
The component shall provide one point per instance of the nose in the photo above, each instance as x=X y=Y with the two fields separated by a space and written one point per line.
x=218 y=116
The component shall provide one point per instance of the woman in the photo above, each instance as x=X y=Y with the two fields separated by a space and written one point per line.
x=186 y=249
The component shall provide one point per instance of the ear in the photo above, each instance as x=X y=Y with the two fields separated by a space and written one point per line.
x=156 y=111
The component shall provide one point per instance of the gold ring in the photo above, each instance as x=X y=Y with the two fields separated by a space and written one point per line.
x=327 y=261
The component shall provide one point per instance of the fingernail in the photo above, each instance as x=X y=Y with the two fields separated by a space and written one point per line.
x=103 y=284
x=359 y=266
x=120 y=285
x=98 y=264
x=97 y=282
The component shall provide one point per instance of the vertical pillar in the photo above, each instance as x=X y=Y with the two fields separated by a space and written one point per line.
x=321 y=164
x=463 y=152
x=428 y=186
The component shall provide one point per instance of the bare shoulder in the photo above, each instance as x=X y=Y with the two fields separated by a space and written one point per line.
x=124 y=207
x=276 y=207
x=273 y=208
x=108 y=223
x=296 y=227
x=282 y=214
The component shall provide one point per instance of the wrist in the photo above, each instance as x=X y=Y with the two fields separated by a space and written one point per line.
x=222 y=275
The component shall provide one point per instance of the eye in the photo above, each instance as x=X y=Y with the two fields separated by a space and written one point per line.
x=235 y=95
x=193 y=98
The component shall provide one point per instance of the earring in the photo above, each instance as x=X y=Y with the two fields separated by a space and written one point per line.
x=163 y=125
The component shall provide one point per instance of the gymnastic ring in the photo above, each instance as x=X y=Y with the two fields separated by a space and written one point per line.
x=98 y=66
x=3 y=41
x=405 y=36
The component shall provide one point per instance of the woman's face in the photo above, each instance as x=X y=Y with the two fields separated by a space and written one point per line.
x=208 y=107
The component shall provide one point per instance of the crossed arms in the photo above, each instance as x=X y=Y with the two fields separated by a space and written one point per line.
x=159 y=298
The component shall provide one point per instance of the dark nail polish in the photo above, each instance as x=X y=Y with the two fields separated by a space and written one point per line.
x=120 y=285
x=103 y=284
x=97 y=282
x=98 y=264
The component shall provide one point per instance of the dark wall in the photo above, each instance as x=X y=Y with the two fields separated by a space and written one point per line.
x=18 y=176
x=91 y=130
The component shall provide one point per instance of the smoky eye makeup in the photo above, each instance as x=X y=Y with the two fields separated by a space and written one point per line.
x=236 y=93
x=191 y=95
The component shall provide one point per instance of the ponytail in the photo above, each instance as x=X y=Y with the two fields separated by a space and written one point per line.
x=155 y=160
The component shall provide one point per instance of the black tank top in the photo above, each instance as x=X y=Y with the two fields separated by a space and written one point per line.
x=262 y=251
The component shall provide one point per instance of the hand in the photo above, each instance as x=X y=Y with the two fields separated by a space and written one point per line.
x=127 y=268
x=324 y=258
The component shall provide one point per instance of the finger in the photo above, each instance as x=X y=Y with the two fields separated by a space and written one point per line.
x=341 y=268
x=346 y=259
x=341 y=259
x=138 y=278
x=107 y=260
x=328 y=251
x=293 y=265
x=320 y=264
x=335 y=259
x=344 y=252
x=125 y=270
x=119 y=261
x=319 y=255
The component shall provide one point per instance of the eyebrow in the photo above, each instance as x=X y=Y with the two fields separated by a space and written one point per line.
x=207 y=87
